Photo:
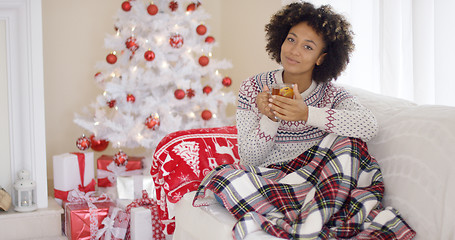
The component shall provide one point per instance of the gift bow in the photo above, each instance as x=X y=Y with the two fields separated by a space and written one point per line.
x=77 y=196
x=113 y=170
x=109 y=230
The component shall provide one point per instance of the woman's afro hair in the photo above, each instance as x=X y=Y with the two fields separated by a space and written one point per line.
x=334 y=28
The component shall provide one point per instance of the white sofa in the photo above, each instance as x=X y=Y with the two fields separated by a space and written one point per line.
x=415 y=148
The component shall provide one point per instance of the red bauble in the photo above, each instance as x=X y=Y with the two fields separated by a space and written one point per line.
x=191 y=7
x=206 y=115
x=120 y=158
x=111 y=103
x=152 y=122
x=111 y=58
x=131 y=44
x=126 y=6
x=173 y=5
x=179 y=94
x=207 y=89
x=201 y=29
x=130 y=98
x=190 y=93
x=98 y=144
x=204 y=61
x=227 y=81
x=209 y=39
x=149 y=55
x=152 y=9
x=83 y=143
x=176 y=40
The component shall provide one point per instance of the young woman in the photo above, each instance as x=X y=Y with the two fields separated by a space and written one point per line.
x=305 y=171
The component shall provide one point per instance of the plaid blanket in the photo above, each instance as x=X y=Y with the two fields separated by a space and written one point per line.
x=332 y=191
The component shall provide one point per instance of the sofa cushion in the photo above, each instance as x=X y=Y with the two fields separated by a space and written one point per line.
x=414 y=148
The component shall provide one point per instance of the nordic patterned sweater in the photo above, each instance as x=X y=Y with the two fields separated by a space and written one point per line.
x=331 y=109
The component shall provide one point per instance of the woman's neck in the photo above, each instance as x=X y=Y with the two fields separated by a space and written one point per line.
x=303 y=82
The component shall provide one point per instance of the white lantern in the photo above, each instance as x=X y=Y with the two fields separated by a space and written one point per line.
x=25 y=189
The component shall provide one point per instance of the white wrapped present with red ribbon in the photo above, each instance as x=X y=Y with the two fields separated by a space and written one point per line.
x=73 y=171
x=137 y=229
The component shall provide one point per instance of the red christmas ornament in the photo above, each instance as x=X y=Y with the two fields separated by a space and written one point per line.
x=209 y=39
x=131 y=44
x=191 y=7
x=98 y=144
x=152 y=122
x=149 y=55
x=173 y=5
x=176 y=40
x=126 y=6
x=111 y=58
x=111 y=103
x=206 y=115
x=190 y=93
x=179 y=94
x=204 y=61
x=201 y=29
x=130 y=98
x=152 y=9
x=83 y=143
x=227 y=81
x=207 y=89
x=120 y=158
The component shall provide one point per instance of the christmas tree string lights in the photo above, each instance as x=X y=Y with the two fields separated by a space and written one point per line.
x=158 y=76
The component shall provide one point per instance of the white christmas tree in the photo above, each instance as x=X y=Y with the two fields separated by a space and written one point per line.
x=158 y=77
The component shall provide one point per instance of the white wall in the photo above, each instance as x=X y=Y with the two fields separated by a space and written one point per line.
x=5 y=169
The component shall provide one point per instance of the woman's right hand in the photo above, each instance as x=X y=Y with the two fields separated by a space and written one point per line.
x=262 y=101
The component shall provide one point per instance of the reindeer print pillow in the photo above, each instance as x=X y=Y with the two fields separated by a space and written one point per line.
x=182 y=159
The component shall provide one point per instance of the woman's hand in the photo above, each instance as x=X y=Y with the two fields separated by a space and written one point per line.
x=289 y=109
x=262 y=101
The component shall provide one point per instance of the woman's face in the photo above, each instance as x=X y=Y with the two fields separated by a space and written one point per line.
x=302 y=50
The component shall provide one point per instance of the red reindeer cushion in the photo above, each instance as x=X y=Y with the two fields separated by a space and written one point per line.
x=182 y=159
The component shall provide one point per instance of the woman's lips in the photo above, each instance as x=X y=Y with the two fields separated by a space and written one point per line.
x=292 y=61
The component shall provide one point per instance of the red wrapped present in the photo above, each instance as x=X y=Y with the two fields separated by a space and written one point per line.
x=84 y=214
x=114 y=225
x=109 y=170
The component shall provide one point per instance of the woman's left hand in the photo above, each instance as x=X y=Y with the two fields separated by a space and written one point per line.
x=289 y=109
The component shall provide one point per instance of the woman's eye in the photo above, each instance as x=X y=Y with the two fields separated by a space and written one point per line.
x=307 y=47
x=290 y=40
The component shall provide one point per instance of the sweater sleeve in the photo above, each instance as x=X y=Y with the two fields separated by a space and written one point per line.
x=346 y=117
x=256 y=132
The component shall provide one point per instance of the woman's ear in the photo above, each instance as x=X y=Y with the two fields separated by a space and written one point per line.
x=320 y=59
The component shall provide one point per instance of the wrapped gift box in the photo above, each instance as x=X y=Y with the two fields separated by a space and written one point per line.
x=108 y=171
x=140 y=224
x=114 y=225
x=83 y=221
x=144 y=220
x=73 y=171
x=131 y=187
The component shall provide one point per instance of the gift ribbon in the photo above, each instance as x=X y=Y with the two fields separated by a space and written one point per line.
x=77 y=196
x=109 y=230
x=63 y=195
x=151 y=204
x=113 y=170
